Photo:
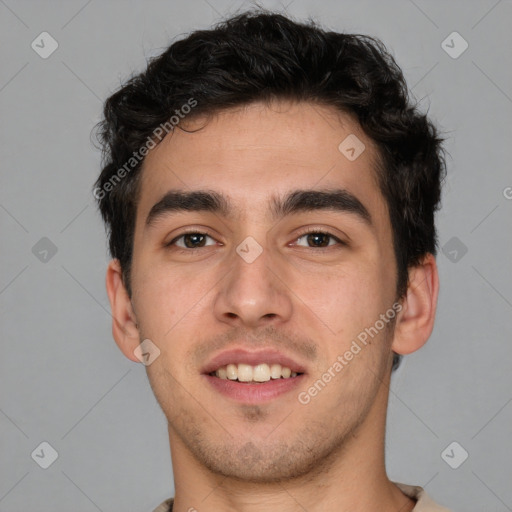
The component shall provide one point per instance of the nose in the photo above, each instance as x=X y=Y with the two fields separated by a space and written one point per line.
x=253 y=294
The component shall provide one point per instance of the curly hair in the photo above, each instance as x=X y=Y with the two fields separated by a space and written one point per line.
x=262 y=56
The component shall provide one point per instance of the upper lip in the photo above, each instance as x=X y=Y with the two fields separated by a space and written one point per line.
x=241 y=355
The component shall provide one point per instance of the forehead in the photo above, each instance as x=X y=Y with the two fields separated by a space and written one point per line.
x=257 y=152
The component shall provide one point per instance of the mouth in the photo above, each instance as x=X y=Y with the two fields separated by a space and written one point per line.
x=253 y=377
x=259 y=373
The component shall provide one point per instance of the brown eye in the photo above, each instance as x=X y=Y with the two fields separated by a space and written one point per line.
x=317 y=239
x=192 y=240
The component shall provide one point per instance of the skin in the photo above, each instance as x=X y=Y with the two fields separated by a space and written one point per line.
x=327 y=455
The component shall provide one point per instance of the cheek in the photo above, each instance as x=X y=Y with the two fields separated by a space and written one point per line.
x=172 y=303
x=342 y=301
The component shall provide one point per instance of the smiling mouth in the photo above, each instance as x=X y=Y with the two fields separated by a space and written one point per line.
x=246 y=373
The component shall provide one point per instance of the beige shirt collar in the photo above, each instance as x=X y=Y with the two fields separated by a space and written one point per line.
x=423 y=501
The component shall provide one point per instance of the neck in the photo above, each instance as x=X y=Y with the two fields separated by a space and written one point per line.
x=354 y=479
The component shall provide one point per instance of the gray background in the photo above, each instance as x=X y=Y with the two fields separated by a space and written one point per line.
x=64 y=381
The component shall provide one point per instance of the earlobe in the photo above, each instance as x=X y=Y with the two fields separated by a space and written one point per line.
x=124 y=324
x=415 y=322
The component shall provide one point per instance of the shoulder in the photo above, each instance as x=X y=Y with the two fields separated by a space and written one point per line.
x=424 y=502
x=166 y=506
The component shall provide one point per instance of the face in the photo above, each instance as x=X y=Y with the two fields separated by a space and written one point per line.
x=259 y=244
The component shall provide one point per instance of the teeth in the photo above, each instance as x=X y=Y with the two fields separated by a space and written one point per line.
x=231 y=372
x=244 y=372
x=260 y=373
x=275 y=371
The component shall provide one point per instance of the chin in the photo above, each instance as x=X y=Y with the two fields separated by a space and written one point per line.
x=272 y=463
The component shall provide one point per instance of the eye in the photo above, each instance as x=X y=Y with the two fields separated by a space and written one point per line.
x=318 y=239
x=192 y=240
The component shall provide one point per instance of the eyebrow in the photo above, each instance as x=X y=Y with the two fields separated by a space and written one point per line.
x=182 y=201
x=297 y=201
x=339 y=200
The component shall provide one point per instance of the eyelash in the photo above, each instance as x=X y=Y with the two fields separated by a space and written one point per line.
x=313 y=231
x=191 y=232
x=304 y=233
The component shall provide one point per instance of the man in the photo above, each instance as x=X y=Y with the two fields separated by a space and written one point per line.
x=270 y=193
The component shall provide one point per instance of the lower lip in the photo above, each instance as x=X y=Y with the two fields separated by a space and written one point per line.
x=255 y=392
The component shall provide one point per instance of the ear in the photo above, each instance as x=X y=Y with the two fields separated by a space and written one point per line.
x=124 y=323
x=415 y=321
